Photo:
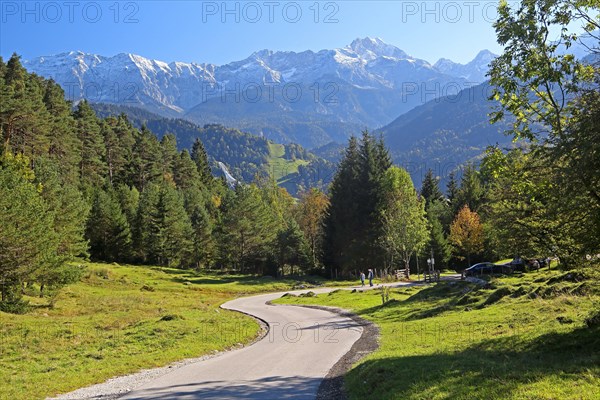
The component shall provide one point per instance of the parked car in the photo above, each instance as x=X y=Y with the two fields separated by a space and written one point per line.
x=488 y=268
x=528 y=264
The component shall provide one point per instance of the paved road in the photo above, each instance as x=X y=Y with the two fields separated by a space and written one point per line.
x=288 y=363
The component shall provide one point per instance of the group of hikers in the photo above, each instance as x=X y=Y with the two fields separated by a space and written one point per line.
x=369 y=276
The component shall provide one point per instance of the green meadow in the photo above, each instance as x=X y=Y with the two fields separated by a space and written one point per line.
x=118 y=320
x=530 y=336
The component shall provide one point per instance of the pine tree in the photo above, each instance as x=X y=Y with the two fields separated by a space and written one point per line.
x=430 y=189
x=116 y=154
x=248 y=229
x=27 y=238
x=64 y=144
x=146 y=219
x=437 y=213
x=292 y=247
x=374 y=162
x=169 y=155
x=172 y=233
x=92 y=166
x=200 y=157
x=129 y=200
x=341 y=223
x=471 y=192
x=452 y=189
x=24 y=120
x=185 y=173
x=146 y=159
x=123 y=156
x=107 y=228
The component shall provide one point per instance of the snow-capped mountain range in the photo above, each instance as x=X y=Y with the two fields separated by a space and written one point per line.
x=365 y=84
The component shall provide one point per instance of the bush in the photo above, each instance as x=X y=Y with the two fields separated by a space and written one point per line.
x=15 y=305
x=593 y=320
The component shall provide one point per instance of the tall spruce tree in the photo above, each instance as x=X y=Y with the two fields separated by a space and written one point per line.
x=200 y=157
x=146 y=219
x=341 y=223
x=452 y=189
x=248 y=229
x=172 y=233
x=27 y=239
x=430 y=189
x=146 y=159
x=92 y=166
x=64 y=144
x=353 y=230
x=107 y=228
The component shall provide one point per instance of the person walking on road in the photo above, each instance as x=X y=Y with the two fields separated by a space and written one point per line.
x=362 y=278
x=370 y=277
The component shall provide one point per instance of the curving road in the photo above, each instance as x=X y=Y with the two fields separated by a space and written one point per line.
x=290 y=362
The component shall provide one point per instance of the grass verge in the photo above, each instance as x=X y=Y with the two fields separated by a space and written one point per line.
x=531 y=336
x=118 y=320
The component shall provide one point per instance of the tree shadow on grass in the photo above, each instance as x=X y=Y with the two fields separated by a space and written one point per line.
x=498 y=368
x=448 y=291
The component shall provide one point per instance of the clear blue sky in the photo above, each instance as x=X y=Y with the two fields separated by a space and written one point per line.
x=220 y=32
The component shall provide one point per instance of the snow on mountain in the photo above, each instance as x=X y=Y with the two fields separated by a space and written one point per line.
x=370 y=82
x=474 y=71
x=365 y=63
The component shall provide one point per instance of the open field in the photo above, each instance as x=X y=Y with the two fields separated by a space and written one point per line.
x=279 y=167
x=531 y=336
x=118 y=320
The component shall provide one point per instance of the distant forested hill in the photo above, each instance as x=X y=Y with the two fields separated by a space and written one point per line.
x=244 y=154
x=445 y=133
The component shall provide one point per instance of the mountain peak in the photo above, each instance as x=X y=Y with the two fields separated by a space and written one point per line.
x=370 y=48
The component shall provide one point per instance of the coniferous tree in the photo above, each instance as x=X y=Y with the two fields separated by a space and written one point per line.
x=107 y=229
x=430 y=189
x=169 y=154
x=116 y=154
x=123 y=153
x=64 y=144
x=185 y=172
x=353 y=229
x=200 y=157
x=27 y=239
x=172 y=233
x=452 y=189
x=437 y=214
x=248 y=229
x=341 y=223
x=374 y=162
x=146 y=159
x=292 y=248
x=92 y=166
x=129 y=199
x=24 y=118
x=471 y=192
x=146 y=219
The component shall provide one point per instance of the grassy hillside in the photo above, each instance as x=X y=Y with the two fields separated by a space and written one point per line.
x=533 y=336
x=118 y=320
x=279 y=167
